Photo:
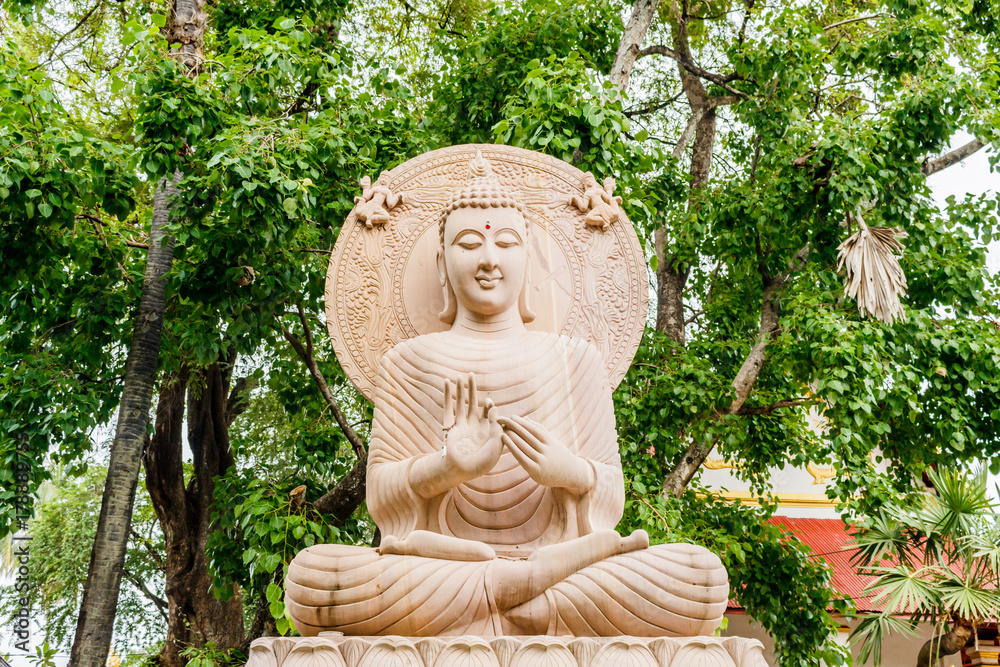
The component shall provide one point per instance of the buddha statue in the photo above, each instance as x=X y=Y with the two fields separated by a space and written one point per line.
x=494 y=475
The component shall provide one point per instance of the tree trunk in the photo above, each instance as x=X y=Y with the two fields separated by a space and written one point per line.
x=100 y=596
x=628 y=47
x=672 y=271
x=195 y=616
x=949 y=643
x=95 y=625
x=341 y=501
x=671 y=277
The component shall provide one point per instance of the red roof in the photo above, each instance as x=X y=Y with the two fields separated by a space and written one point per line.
x=828 y=539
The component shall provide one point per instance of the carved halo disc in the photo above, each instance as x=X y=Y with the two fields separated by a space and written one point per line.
x=382 y=285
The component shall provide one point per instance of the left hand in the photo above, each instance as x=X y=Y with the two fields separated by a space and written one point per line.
x=548 y=461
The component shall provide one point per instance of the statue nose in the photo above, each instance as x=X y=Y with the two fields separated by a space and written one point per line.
x=488 y=259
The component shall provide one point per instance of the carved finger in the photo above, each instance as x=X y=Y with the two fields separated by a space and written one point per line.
x=462 y=400
x=523 y=428
x=518 y=443
x=522 y=458
x=473 y=398
x=449 y=404
x=490 y=412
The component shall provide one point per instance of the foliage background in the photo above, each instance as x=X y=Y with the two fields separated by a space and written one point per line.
x=299 y=99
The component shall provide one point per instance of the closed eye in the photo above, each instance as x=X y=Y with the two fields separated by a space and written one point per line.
x=507 y=239
x=468 y=239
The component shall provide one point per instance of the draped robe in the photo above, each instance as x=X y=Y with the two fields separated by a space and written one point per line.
x=559 y=382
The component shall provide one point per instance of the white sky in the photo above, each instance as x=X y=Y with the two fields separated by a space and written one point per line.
x=971 y=176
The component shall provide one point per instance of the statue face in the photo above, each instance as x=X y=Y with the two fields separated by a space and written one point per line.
x=485 y=255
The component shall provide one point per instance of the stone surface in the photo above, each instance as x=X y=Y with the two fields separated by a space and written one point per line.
x=382 y=287
x=329 y=651
x=493 y=472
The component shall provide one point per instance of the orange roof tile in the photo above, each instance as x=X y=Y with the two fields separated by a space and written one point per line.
x=830 y=540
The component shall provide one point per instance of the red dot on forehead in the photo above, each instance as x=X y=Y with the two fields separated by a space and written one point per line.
x=487 y=225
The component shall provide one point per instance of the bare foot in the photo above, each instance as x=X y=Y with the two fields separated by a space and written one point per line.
x=637 y=541
x=433 y=545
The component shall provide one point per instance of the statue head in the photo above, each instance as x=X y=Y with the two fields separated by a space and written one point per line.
x=483 y=254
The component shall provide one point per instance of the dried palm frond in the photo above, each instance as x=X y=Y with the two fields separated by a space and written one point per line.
x=874 y=277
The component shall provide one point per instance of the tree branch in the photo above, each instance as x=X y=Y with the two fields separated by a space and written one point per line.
x=934 y=165
x=306 y=354
x=238 y=400
x=855 y=20
x=299 y=104
x=628 y=47
x=341 y=501
x=150 y=549
x=652 y=107
x=719 y=80
x=55 y=47
x=678 y=479
x=161 y=604
x=688 y=132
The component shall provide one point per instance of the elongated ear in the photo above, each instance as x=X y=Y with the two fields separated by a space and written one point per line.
x=450 y=300
x=523 y=307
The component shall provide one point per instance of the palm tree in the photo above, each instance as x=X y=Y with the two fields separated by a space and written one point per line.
x=935 y=560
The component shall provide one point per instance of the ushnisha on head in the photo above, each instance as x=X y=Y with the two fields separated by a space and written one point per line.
x=483 y=254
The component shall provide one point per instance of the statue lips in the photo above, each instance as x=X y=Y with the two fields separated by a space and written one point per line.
x=489 y=280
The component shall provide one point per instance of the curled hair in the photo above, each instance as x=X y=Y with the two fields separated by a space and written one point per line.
x=481 y=190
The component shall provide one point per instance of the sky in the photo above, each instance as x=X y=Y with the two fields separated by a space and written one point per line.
x=972 y=176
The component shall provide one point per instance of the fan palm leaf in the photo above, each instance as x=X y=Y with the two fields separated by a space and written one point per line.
x=885 y=537
x=964 y=594
x=902 y=590
x=875 y=280
x=955 y=533
x=873 y=630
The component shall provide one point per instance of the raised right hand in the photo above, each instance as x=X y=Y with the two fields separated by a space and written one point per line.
x=472 y=444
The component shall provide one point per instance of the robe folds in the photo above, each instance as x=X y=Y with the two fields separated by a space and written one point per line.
x=561 y=383
x=505 y=508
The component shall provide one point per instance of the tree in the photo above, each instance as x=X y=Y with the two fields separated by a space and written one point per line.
x=934 y=560
x=831 y=116
x=741 y=135
x=62 y=537
x=185 y=27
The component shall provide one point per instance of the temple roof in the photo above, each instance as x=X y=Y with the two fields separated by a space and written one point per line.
x=830 y=540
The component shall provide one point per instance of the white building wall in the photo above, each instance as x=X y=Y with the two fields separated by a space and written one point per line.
x=899 y=651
